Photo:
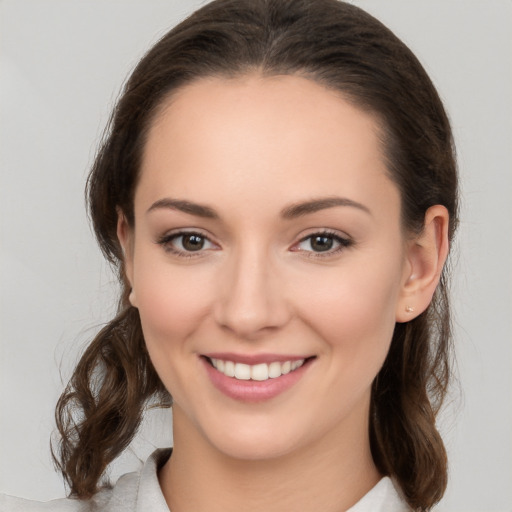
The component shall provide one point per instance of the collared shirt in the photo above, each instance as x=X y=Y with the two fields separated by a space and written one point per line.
x=140 y=492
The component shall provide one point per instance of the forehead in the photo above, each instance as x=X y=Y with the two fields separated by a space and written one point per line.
x=283 y=137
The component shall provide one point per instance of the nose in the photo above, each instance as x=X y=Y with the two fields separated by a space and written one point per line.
x=252 y=300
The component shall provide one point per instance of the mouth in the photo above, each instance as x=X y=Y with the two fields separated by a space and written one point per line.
x=257 y=372
x=255 y=377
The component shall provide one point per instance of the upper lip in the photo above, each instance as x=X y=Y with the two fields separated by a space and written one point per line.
x=253 y=359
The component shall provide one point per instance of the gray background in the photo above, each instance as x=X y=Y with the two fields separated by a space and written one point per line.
x=62 y=64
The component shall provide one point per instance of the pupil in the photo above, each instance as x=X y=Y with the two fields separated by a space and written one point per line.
x=321 y=243
x=193 y=242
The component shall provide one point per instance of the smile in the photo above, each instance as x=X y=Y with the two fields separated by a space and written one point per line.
x=258 y=372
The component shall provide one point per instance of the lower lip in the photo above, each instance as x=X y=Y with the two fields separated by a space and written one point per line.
x=253 y=390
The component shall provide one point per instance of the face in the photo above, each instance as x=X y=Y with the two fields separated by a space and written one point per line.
x=267 y=262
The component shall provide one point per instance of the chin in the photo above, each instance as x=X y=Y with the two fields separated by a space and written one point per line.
x=250 y=439
x=263 y=447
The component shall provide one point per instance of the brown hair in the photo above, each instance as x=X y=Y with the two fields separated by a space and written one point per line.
x=347 y=50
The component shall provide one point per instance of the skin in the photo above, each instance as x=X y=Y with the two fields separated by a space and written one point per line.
x=249 y=148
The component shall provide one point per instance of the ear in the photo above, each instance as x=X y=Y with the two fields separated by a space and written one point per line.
x=425 y=258
x=125 y=237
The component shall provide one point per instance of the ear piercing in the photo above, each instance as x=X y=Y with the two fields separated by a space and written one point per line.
x=409 y=309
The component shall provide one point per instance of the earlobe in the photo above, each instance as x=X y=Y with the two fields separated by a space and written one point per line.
x=132 y=298
x=125 y=237
x=426 y=256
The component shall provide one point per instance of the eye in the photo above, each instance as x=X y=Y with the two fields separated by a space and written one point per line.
x=186 y=243
x=324 y=243
x=190 y=242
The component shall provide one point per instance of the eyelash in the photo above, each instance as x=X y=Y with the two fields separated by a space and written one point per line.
x=343 y=243
x=166 y=242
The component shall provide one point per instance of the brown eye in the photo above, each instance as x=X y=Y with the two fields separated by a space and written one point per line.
x=192 y=242
x=321 y=243
x=186 y=243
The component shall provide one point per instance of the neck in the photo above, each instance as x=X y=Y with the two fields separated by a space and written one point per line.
x=330 y=476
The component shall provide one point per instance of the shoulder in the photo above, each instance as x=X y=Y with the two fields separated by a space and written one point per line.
x=13 y=504
x=133 y=492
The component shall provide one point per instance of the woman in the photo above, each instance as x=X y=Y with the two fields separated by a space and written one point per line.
x=277 y=189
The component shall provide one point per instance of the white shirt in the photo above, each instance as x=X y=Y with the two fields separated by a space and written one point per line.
x=140 y=492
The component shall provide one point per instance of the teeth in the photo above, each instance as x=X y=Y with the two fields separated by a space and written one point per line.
x=242 y=371
x=229 y=368
x=295 y=365
x=274 y=370
x=257 y=372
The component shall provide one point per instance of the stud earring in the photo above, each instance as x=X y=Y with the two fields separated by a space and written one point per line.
x=409 y=309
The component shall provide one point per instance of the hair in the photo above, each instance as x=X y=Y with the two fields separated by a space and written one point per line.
x=345 y=49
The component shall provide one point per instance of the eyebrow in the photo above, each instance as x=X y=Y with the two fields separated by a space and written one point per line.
x=304 y=208
x=189 y=207
x=290 y=212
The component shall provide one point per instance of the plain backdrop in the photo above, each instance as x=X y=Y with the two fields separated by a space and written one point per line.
x=62 y=65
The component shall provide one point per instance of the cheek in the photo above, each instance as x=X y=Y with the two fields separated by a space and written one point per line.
x=171 y=300
x=353 y=309
x=172 y=303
